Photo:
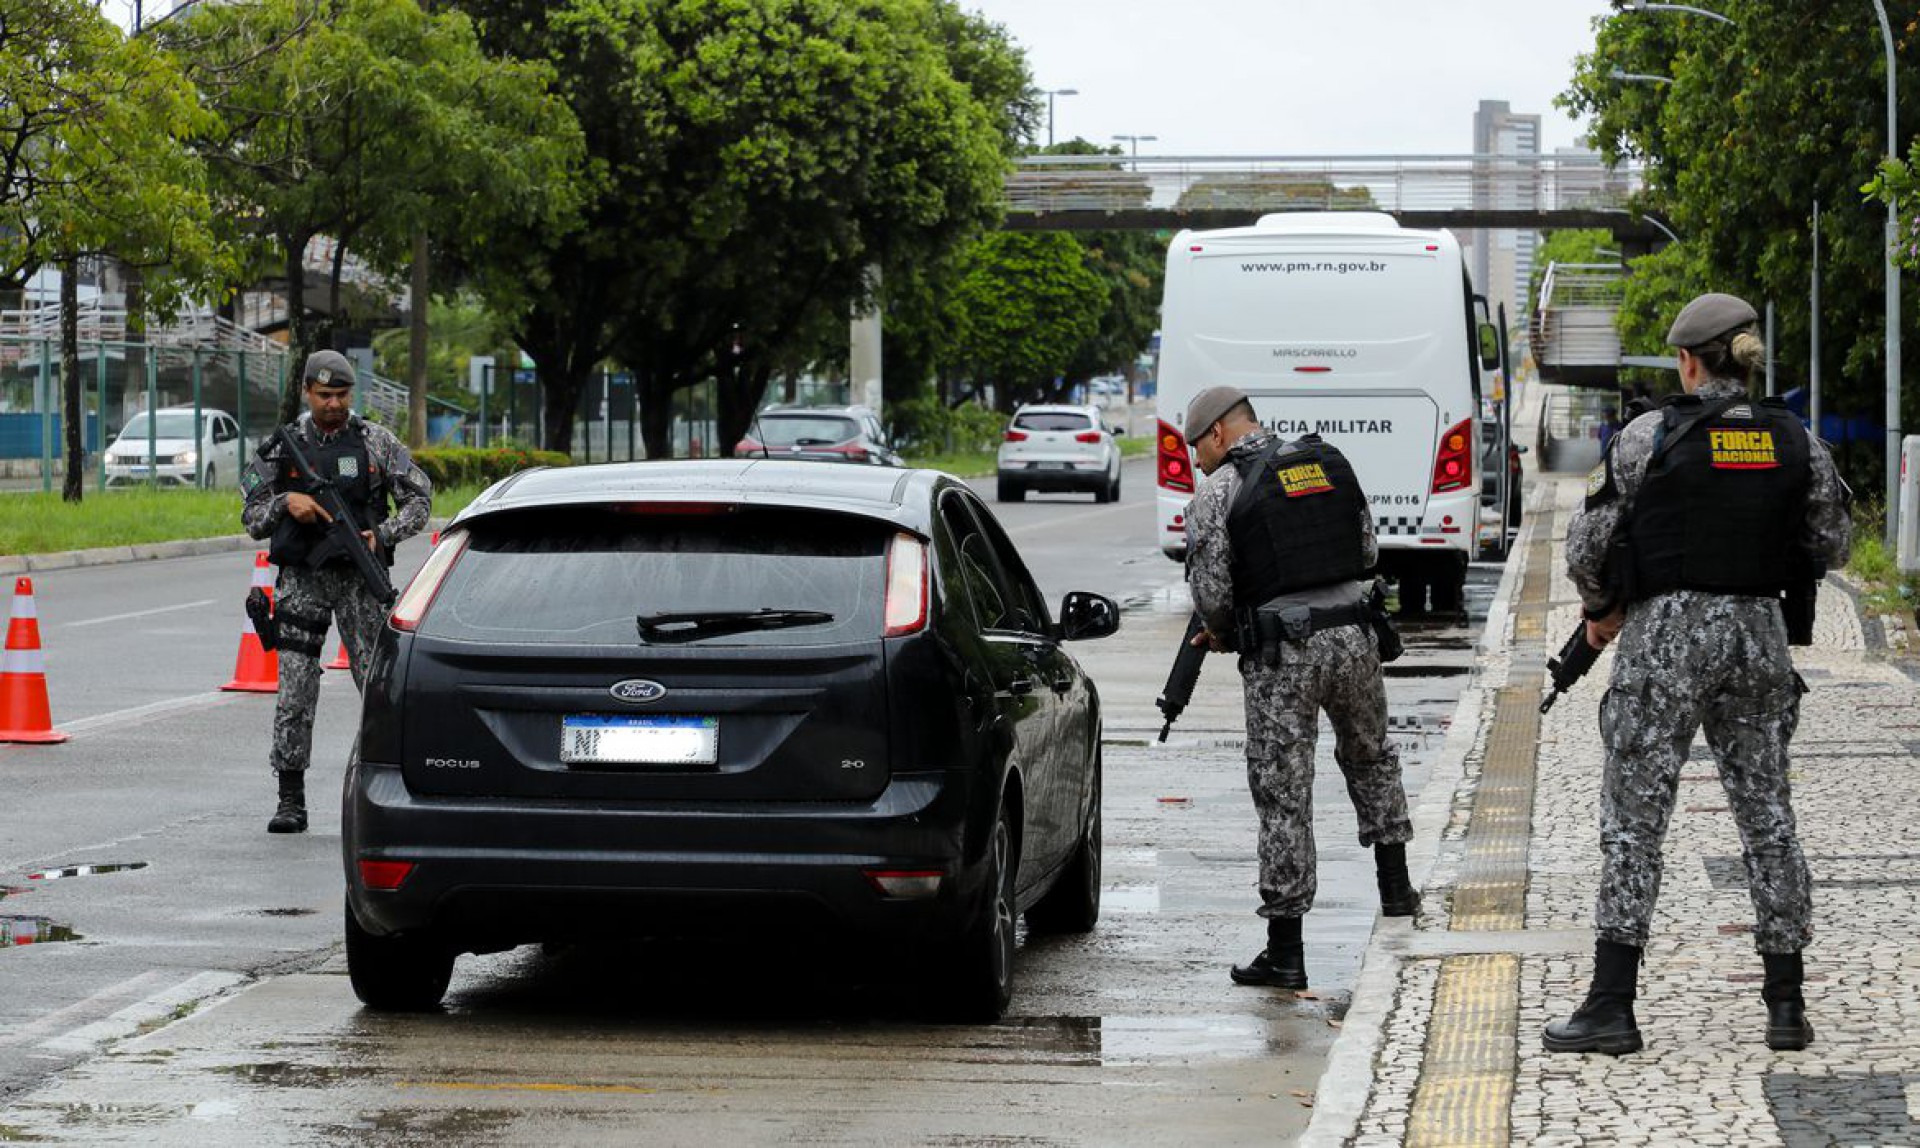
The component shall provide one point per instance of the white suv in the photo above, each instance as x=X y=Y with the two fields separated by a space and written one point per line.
x=1058 y=448
x=211 y=458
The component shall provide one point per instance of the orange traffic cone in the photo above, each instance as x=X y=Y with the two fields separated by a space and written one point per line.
x=23 y=676
x=340 y=662
x=256 y=670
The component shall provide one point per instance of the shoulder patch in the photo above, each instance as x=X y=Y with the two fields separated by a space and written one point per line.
x=1600 y=488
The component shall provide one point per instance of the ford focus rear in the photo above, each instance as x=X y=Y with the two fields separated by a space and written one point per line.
x=643 y=700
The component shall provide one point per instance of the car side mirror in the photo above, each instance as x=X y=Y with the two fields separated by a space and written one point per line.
x=1489 y=347
x=1518 y=449
x=1085 y=615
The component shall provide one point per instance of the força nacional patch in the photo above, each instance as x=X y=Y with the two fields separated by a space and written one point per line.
x=1304 y=479
x=1741 y=449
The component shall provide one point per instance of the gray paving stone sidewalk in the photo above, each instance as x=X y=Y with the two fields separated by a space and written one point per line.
x=1705 y=1077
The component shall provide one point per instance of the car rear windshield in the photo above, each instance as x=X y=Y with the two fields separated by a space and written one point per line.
x=810 y=430
x=573 y=576
x=171 y=424
x=1052 y=421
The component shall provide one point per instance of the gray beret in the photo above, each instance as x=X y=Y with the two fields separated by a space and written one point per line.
x=329 y=369
x=1707 y=318
x=1209 y=406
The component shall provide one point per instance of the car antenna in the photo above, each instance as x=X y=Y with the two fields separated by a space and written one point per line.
x=760 y=436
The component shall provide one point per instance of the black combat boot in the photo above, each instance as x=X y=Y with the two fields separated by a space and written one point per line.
x=1398 y=897
x=1282 y=964
x=291 y=817
x=1605 y=1022
x=1787 y=1027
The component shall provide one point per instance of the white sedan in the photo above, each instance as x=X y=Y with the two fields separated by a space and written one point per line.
x=1058 y=448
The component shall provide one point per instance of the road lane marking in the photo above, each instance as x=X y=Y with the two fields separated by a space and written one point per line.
x=150 y=1011
x=539 y=1086
x=85 y=1006
x=140 y=613
x=152 y=709
x=1056 y=523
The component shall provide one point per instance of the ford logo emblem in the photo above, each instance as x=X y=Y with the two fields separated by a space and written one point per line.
x=638 y=690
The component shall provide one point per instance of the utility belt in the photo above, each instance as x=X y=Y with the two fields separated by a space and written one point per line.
x=1260 y=631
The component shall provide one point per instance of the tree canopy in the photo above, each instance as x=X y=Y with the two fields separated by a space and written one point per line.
x=1763 y=118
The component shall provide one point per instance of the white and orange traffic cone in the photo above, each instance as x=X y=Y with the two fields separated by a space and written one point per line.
x=257 y=669
x=340 y=662
x=24 y=715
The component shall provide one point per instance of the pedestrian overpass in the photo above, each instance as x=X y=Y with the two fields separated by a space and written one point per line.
x=1464 y=192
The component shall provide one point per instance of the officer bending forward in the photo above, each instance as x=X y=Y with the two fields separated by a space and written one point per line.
x=1718 y=499
x=1280 y=537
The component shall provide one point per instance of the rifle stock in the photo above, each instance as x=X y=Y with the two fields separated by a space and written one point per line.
x=344 y=530
x=1178 y=691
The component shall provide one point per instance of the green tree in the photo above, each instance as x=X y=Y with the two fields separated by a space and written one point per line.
x=1764 y=118
x=371 y=122
x=759 y=158
x=92 y=162
x=1023 y=304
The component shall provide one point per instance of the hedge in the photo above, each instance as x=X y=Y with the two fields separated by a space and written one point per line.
x=465 y=466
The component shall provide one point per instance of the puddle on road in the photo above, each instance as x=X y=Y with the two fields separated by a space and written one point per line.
x=1137 y=1039
x=16 y=932
x=287 y=1074
x=1397 y=671
x=86 y=870
x=274 y=913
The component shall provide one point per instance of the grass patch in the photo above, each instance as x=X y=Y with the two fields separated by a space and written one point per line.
x=1884 y=589
x=40 y=523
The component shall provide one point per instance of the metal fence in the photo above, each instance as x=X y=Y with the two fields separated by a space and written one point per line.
x=120 y=380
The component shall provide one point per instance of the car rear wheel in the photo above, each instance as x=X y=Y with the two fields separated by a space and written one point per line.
x=981 y=980
x=210 y=478
x=1073 y=904
x=1011 y=491
x=404 y=973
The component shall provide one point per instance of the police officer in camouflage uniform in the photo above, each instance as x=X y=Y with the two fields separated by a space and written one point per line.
x=1280 y=538
x=1698 y=520
x=369 y=467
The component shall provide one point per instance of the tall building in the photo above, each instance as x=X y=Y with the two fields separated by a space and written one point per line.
x=1502 y=260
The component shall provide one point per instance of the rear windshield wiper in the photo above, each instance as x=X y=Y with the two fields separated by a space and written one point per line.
x=667 y=629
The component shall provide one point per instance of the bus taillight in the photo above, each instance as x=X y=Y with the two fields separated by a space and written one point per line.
x=1176 y=469
x=1453 y=466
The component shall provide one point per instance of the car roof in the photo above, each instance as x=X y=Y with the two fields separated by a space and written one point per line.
x=845 y=412
x=903 y=498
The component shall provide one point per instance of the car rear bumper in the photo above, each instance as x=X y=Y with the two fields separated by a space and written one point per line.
x=141 y=475
x=1091 y=475
x=492 y=873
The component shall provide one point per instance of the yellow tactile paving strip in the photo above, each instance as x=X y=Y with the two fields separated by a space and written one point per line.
x=1465 y=1094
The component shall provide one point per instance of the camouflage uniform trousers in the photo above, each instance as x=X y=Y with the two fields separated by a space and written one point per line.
x=1337 y=670
x=304 y=602
x=1686 y=659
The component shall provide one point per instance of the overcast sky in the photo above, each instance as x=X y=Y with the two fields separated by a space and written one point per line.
x=1298 y=77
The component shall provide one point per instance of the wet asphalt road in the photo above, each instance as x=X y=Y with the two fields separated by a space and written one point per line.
x=206 y=1001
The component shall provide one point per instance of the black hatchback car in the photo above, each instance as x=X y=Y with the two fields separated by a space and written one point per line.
x=649 y=699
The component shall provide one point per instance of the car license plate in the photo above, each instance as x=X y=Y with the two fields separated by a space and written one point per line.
x=587 y=739
x=139 y=470
x=1052 y=465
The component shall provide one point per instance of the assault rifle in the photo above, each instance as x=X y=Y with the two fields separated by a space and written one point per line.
x=1571 y=664
x=343 y=531
x=1178 y=691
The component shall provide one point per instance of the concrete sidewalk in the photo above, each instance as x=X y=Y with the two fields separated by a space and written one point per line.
x=1442 y=1045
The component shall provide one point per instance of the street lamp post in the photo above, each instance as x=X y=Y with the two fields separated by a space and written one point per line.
x=1893 y=295
x=1134 y=142
x=1644 y=6
x=1640 y=77
x=1051 y=93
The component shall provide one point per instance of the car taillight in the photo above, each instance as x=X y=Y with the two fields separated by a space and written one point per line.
x=1016 y=436
x=413 y=604
x=905 y=883
x=385 y=874
x=1453 y=466
x=857 y=454
x=906 y=586
x=1087 y=436
x=1176 y=469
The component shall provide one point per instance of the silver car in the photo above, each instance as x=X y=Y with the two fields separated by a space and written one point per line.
x=1058 y=447
x=170 y=452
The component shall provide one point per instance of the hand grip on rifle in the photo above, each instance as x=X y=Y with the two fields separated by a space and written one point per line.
x=1178 y=691
x=1571 y=664
x=343 y=530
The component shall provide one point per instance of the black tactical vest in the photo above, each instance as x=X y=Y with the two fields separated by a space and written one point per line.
x=362 y=487
x=1723 y=499
x=1296 y=524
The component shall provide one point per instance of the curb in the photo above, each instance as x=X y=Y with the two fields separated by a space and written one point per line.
x=12 y=565
x=1346 y=1084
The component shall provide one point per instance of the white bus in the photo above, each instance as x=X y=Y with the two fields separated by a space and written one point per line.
x=1345 y=325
